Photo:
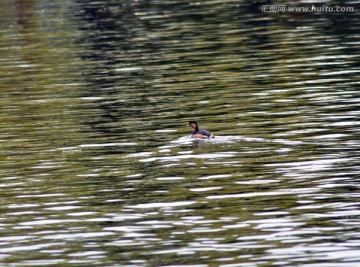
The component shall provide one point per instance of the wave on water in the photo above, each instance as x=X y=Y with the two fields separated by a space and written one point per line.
x=217 y=140
x=186 y=140
x=232 y=139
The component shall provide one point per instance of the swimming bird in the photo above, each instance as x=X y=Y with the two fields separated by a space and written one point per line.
x=197 y=133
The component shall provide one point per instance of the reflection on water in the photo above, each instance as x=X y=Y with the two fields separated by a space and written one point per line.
x=97 y=166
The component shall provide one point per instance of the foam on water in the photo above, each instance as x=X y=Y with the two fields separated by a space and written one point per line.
x=217 y=140
x=232 y=139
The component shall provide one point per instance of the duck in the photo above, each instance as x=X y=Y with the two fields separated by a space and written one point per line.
x=197 y=133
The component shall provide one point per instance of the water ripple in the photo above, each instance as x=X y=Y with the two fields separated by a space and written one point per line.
x=98 y=165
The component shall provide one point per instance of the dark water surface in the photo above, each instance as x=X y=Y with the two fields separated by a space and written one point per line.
x=96 y=165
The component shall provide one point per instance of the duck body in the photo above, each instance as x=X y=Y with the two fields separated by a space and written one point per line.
x=202 y=134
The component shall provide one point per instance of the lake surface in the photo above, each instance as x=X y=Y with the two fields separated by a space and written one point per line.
x=97 y=166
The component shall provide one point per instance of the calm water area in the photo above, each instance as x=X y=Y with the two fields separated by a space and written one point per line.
x=97 y=167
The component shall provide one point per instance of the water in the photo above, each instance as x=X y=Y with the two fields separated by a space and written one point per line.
x=97 y=167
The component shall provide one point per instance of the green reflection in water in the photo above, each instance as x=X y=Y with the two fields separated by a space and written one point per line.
x=93 y=94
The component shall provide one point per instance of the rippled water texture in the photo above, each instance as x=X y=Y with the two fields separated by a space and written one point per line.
x=97 y=164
